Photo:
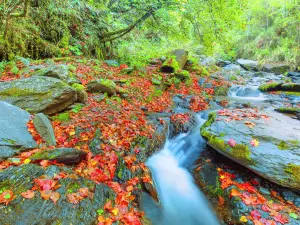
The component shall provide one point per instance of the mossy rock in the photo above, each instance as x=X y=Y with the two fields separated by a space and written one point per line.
x=278 y=147
x=40 y=211
x=61 y=72
x=288 y=110
x=60 y=155
x=102 y=86
x=38 y=94
x=175 y=61
x=82 y=95
x=183 y=75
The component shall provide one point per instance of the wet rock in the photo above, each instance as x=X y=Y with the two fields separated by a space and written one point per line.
x=248 y=64
x=40 y=211
x=95 y=143
x=277 y=156
x=276 y=68
x=60 y=155
x=208 y=61
x=43 y=126
x=103 y=86
x=38 y=94
x=112 y=63
x=99 y=97
x=58 y=71
x=233 y=67
x=176 y=60
x=223 y=63
x=14 y=135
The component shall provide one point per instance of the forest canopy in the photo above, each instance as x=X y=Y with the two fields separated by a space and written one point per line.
x=135 y=31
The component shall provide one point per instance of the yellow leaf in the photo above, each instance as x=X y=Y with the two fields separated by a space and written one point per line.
x=115 y=211
x=26 y=161
x=72 y=133
x=243 y=219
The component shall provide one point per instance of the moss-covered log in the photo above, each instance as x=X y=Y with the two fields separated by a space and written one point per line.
x=175 y=61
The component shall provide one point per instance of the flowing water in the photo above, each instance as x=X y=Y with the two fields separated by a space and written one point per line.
x=247 y=93
x=181 y=201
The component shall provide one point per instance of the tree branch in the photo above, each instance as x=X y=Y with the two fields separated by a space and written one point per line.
x=107 y=37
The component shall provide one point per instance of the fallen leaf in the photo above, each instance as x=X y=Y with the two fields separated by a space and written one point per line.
x=232 y=142
x=243 y=219
x=249 y=124
x=221 y=200
x=45 y=194
x=254 y=142
x=6 y=197
x=235 y=192
x=28 y=194
x=115 y=211
x=54 y=197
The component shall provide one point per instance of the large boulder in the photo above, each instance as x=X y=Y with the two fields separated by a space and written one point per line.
x=234 y=133
x=103 y=86
x=175 y=61
x=38 y=94
x=78 y=199
x=248 y=64
x=14 y=135
x=44 y=127
x=58 y=71
x=274 y=67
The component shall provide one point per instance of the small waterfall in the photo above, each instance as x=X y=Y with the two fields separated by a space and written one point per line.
x=246 y=92
x=181 y=201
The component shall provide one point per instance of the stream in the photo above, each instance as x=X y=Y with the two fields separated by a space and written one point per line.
x=180 y=199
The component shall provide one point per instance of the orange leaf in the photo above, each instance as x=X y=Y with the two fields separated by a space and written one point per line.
x=221 y=200
x=54 y=197
x=6 y=197
x=46 y=194
x=235 y=192
x=28 y=194
x=84 y=192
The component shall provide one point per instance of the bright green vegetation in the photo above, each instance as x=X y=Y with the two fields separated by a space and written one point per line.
x=63 y=117
x=294 y=170
x=283 y=145
x=288 y=110
x=78 y=87
x=270 y=86
x=136 y=31
x=108 y=83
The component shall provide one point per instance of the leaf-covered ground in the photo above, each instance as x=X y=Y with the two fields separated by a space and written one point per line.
x=122 y=122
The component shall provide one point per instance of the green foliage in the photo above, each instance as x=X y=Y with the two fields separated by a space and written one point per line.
x=77 y=108
x=63 y=117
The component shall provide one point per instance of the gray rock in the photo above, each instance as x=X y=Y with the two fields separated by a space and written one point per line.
x=58 y=71
x=233 y=67
x=276 y=68
x=103 y=86
x=14 y=135
x=208 y=61
x=60 y=155
x=223 y=63
x=39 y=211
x=38 y=94
x=112 y=63
x=43 y=126
x=277 y=157
x=248 y=64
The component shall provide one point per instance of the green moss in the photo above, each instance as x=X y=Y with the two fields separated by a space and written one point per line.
x=288 y=110
x=283 y=145
x=269 y=87
x=294 y=170
x=239 y=151
x=183 y=75
x=78 y=87
x=221 y=91
x=108 y=83
x=288 y=93
x=171 y=63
